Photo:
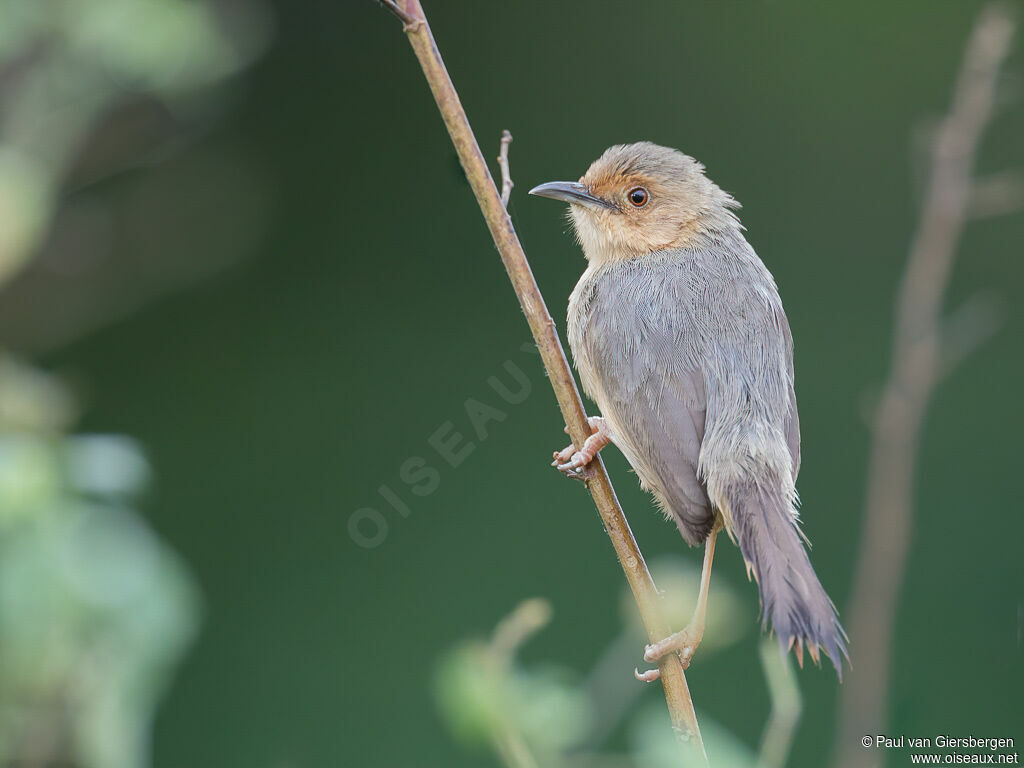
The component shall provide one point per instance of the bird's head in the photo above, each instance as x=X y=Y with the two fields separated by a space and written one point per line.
x=638 y=199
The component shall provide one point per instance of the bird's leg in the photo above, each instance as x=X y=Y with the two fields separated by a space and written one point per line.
x=685 y=641
x=569 y=460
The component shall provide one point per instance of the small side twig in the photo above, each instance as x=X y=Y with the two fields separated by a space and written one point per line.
x=925 y=344
x=966 y=328
x=407 y=19
x=506 y=177
x=996 y=195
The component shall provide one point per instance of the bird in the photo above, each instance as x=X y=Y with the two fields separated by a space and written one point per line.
x=679 y=336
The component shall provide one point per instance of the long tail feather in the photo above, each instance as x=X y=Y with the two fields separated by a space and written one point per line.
x=792 y=598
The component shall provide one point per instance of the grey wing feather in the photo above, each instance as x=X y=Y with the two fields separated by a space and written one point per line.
x=793 y=417
x=793 y=433
x=644 y=374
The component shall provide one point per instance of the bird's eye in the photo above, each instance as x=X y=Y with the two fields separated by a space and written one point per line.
x=638 y=197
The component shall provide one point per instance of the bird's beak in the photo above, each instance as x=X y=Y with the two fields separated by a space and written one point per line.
x=570 y=192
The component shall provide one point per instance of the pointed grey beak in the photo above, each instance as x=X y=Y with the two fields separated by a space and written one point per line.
x=570 y=192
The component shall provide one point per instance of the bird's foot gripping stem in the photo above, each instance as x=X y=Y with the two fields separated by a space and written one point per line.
x=570 y=460
x=684 y=643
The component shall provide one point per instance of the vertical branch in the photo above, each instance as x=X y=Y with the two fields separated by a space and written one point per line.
x=677 y=694
x=915 y=369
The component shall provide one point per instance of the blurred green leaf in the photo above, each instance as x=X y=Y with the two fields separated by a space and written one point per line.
x=25 y=207
x=95 y=610
x=654 y=744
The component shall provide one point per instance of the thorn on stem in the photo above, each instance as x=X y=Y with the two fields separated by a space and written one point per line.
x=506 y=176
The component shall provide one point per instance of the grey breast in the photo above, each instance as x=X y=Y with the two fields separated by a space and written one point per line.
x=639 y=349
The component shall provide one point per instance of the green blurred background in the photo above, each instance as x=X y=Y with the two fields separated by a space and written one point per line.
x=272 y=276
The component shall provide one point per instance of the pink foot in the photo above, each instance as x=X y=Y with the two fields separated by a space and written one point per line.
x=570 y=461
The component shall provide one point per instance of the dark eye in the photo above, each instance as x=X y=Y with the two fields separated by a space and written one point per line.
x=638 y=197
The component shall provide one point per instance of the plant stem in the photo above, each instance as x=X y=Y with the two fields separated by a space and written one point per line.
x=677 y=694
x=922 y=337
x=787 y=706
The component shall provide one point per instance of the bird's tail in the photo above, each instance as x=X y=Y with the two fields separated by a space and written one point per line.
x=763 y=520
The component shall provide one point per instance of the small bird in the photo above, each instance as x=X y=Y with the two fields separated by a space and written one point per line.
x=679 y=336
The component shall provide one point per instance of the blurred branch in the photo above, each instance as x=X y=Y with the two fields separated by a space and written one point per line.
x=513 y=751
x=677 y=694
x=506 y=177
x=917 y=365
x=966 y=328
x=527 y=619
x=787 y=706
x=996 y=195
x=79 y=107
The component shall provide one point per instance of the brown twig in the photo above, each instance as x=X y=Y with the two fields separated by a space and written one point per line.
x=677 y=694
x=915 y=369
x=506 y=177
x=408 y=21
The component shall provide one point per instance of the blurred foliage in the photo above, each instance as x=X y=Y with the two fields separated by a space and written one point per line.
x=545 y=716
x=488 y=699
x=31 y=400
x=94 y=611
x=64 y=63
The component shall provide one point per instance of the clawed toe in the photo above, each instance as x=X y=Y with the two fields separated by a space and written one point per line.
x=570 y=461
x=647 y=677
x=574 y=462
x=684 y=643
x=563 y=456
